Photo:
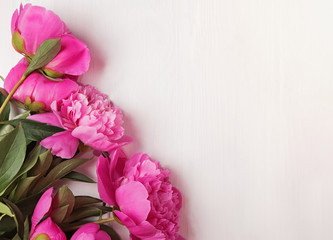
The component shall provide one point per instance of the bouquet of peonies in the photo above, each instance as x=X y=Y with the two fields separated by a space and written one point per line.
x=62 y=119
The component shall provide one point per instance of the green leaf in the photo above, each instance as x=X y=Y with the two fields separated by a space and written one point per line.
x=7 y=224
x=17 y=237
x=63 y=204
x=23 y=115
x=22 y=188
x=5 y=210
x=46 y=51
x=35 y=131
x=5 y=114
x=109 y=230
x=5 y=129
x=29 y=162
x=81 y=201
x=18 y=217
x=59 y=214
x=80 y=177
x=59 y=171
x=26 y=229
x=43 y=164
x=82 y=213
x=12 y=149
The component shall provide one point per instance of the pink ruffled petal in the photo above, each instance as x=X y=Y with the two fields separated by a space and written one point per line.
x=99 y=141
x=62 y=144
x=91 y=137
x=49 y=118
x=42 y=208
x=49 y=228
x=73 y=58
x=132 y=201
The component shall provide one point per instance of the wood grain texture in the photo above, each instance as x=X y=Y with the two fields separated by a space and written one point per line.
x=233 y=96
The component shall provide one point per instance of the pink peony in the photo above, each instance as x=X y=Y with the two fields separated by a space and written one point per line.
x=90 y=231
x=33 y=24
x=149 y=205
x=37 y=91
x=46 y=229
x=87 y=116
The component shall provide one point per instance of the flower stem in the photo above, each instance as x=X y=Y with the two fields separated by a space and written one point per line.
x=12 y=93
x=106 y=220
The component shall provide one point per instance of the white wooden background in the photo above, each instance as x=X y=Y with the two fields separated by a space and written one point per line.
x=235 y=97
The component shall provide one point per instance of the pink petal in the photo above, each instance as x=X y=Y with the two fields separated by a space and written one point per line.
x=87 y=229
x=49 y=118
x=73 y=58
x=90 y=137
x=42 y=208
x=37 y=24
x=145 y=231
x=90 y=231
x=47 y=91
x=132 y=201
x=14 y=21
x=49 y=228
x=126 y=220
x=142 y=231
x=62 y=144
x=101 y=235
x=37 y=87
x=117 y=164
x=105 y=186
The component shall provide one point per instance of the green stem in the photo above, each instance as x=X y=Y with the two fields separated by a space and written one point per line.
x=106 y=220
x=101 y=221
x=12 y=93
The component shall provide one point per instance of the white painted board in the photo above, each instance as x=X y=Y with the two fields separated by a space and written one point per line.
x=235 y=97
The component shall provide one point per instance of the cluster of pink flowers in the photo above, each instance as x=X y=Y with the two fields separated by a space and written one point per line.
x=137 y=187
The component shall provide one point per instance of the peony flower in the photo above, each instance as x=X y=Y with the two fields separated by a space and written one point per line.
x=90 y=231
x=33 y=24
x=148 y=204
x=37 y=92
x=46 y=229
x=87 y=116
